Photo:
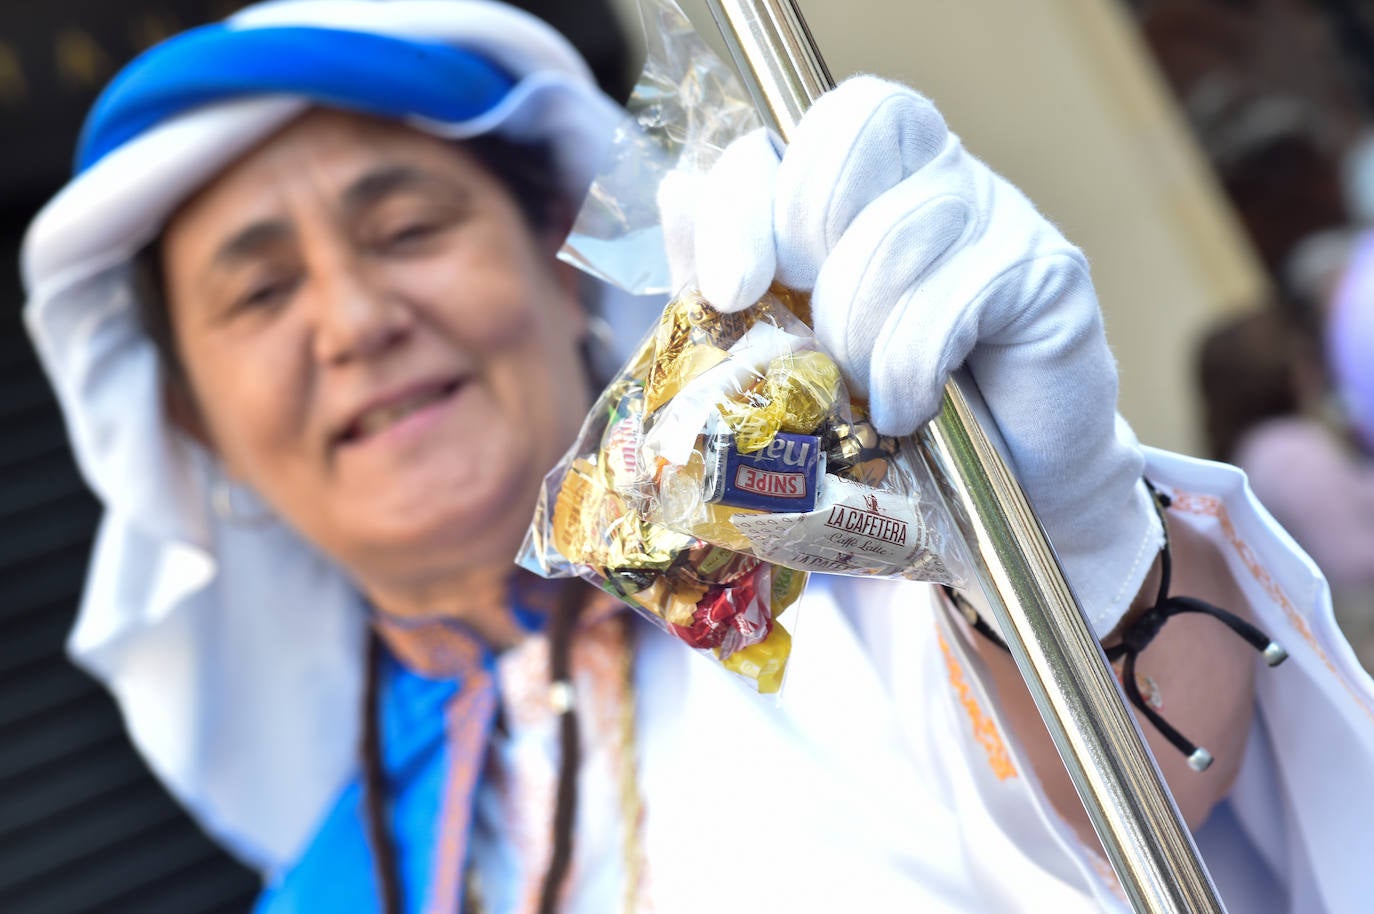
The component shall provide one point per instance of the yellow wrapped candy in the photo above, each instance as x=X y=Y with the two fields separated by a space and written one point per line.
x=795 y=395
x=713 y=525
x=690 y=340
x=806 y=385
x=755 y=418
x=764 y=662
x=575 y=511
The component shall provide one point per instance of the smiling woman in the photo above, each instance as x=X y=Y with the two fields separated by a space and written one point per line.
x=377 y=340
x=310 y=252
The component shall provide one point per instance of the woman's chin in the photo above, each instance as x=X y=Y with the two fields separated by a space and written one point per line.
x=441 y=526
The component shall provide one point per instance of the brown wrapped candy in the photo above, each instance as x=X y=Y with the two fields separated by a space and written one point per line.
x=870 y=471
x=865 y=434
x=714 y=565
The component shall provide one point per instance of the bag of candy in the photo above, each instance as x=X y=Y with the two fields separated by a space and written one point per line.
x=726 y=460
x=724 y=463
x=592 y=522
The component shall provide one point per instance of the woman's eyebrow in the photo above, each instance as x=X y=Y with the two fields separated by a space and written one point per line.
x=251 y=241
x=381 y=182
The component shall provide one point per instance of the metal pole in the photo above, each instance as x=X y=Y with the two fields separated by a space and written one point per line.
x=1059 y=657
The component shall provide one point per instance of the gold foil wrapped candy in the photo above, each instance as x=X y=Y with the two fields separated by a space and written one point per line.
x=755 y=417
x=807 y=384
x=691 y=339
x=574 y=512
x=796 y=395
x=856 y=450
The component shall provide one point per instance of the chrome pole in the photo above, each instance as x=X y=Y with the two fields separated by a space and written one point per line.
x=1146 y=840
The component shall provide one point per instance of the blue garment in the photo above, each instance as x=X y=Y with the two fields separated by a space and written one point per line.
x=335 y=873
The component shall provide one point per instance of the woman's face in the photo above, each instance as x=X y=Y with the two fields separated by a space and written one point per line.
x=378 y=344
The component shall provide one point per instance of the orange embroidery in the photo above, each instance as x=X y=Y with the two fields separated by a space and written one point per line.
x=1210 y=506
x=984 y=730
x=433 y=650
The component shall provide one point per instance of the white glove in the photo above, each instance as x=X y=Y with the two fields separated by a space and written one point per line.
x=919 y=259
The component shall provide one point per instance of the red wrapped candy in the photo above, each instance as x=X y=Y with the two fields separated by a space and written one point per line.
x=731 y=616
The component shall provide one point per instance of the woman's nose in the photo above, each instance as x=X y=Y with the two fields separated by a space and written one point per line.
x=357 y=318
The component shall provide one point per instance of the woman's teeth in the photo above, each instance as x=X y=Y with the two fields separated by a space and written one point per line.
x=378 y=418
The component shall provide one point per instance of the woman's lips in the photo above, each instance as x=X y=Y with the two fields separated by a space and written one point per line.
x=396 y=413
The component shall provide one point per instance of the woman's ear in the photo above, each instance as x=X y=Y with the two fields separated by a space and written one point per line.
x=568 y=278
x=184 y=415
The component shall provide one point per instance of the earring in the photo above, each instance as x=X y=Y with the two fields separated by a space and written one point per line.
x=233 y=510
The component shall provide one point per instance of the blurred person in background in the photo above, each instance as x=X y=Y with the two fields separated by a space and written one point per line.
x=301 y=308
x=1268 y=409
x=1271 y=100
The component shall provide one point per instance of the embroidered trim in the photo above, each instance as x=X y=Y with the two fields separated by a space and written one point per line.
x=470 y=714
x=984 y=729
x=1210 y=506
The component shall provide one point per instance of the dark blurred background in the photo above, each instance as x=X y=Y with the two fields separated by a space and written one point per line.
x=83 y=826
x=1278 y=94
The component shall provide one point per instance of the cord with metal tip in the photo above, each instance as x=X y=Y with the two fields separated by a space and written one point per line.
x=1140 y=633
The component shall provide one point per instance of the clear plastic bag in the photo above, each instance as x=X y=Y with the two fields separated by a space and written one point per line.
x=726 y=460
x=685 y=109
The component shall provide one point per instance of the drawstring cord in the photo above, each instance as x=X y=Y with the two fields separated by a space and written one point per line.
x=1139 y=634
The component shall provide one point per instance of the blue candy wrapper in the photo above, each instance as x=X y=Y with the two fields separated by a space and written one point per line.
x=784 y=476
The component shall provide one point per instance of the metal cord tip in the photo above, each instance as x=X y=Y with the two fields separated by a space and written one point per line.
x=561 y=696
x=1200 y=760
x=1274 y=654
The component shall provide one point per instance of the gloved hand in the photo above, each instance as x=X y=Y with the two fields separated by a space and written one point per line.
x=919 y=258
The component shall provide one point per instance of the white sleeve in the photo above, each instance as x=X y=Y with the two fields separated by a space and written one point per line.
x=1305 y=794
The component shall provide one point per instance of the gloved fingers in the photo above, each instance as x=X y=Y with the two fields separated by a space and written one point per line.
x=927 y=335
x=1025 y=318
x=677 y=196
x=854 y=144
x=886 y=250
x=733 y=234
